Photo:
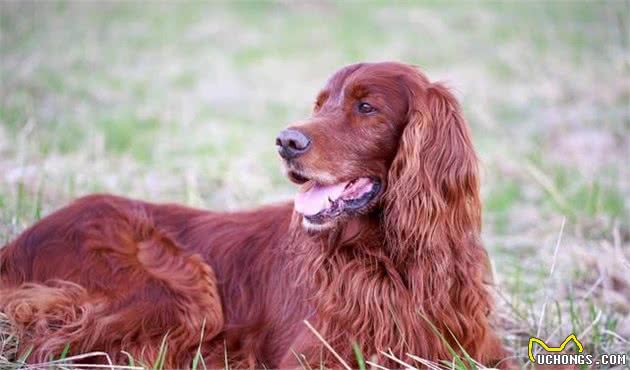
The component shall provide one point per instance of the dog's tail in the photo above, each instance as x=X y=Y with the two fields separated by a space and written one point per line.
x=49 y=317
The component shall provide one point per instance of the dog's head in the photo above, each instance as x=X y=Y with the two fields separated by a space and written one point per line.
x=380 y=137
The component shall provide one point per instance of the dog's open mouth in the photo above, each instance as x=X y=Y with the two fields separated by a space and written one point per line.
x=320 y=203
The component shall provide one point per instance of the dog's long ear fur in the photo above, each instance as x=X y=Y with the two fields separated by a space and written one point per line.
x=433 y=186
x=432 y=215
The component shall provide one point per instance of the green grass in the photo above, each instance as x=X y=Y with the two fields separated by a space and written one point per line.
x=182 y=103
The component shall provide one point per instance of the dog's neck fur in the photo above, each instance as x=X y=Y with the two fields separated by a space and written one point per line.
x=362 y=291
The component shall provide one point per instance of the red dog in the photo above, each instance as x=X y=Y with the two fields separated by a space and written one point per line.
x=380 y=248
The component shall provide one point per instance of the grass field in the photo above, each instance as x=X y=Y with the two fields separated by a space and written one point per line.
x=182 y=102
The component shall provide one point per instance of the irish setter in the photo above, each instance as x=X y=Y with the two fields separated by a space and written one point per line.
x=380 y=248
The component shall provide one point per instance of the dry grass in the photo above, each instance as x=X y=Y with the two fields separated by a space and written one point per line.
x=182 y=103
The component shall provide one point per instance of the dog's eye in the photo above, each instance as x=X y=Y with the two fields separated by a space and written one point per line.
x=365 y=108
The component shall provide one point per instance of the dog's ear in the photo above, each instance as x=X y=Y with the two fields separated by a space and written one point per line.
x=432 y=186
x=432 y=218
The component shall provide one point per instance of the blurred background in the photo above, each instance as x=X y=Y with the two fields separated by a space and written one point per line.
x=181 y=102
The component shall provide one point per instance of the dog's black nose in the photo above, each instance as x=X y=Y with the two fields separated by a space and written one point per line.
x=292 y=143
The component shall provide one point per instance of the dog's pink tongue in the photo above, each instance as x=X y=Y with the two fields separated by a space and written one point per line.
x=314 y=200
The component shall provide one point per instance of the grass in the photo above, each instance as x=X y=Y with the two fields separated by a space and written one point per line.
x=182 y=102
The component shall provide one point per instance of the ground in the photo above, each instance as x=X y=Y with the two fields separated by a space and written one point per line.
x=182 y=102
